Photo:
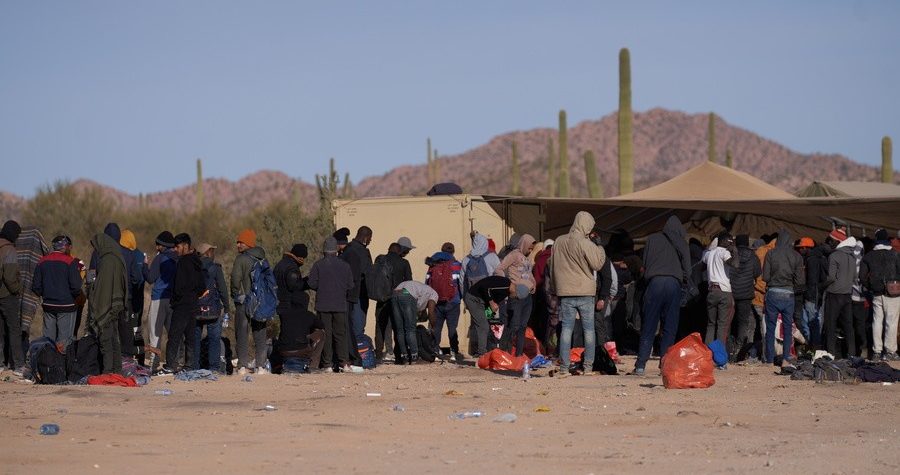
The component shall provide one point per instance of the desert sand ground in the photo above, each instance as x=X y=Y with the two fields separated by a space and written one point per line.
x=751 y=420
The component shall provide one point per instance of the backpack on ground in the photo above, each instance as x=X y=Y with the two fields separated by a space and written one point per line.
x=379 y=284
x=48 y=364
x=261 y=300
x=366 y=352
x=83 y=358
x=442 y=281
x=425 y=342
x=476 y=269
x=211 y=300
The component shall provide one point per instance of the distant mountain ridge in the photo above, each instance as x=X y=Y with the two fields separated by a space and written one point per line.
x=666 y=143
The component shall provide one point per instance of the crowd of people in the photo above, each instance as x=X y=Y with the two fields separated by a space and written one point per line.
x=842 y=295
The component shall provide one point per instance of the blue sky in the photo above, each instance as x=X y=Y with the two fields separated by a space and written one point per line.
x=130 y=93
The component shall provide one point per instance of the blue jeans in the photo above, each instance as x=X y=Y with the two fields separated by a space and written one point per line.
x=214 y=337
x=447 y=312
x=584 y=306
x=662 y=306
x=358 y=318
x=405 y=316
x=779 y=301
x=519 y=311
x=811 y=323
x=295 y=365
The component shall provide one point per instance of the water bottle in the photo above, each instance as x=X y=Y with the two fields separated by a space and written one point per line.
x=526 y=371
x=466 y=415
x=49 y=429
x=225 y=320
x=163 y=392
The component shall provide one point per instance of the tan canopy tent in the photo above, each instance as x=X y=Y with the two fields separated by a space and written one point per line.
x=710 y=197
x=850 y=189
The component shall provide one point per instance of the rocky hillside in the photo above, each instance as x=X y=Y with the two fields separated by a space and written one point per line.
x=666 y=143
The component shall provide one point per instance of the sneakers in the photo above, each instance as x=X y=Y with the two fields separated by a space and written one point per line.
x=458 y=357
x=19 y=372
x=890 y=357
x=262 y=371
x=588 y=373
x=639 y=372
x=243 y=371
x=561 y=373
x=346 y=369
x=164 y=371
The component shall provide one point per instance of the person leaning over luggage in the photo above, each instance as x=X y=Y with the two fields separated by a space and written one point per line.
x=484 y=298
x=332 y=280
x=57 y=280
x=409 y=300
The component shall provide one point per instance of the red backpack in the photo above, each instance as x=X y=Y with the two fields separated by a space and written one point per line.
x=442 y=281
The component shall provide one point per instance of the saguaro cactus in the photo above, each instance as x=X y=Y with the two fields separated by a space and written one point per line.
x=564 y=182
x=551 y=168
x=516 y=185
x=711 y=137
x=430 y=164
x=595 y=188
x=347 y=191
x=626 y=152
x=327 y=184
x=199 y=184
x=729 y=161
x=887 y=162
x=436 y=173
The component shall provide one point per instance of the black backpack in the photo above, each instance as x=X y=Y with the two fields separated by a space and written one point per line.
x=379 y=284
x=50 y=365
x=83 y=358
x=425 y=342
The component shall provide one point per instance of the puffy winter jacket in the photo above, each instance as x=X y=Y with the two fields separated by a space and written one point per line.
x=744 y=277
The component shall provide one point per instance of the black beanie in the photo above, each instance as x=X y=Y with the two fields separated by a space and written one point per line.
x=742 y=240
x=300 y=250
x=183 y=238
x=165 y=239
x=882 y=235
x=11 y=231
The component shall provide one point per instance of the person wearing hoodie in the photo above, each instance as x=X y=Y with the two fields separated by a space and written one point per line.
x=518 y=269
x=447 y=311
x=782 y=273
x=842 y=275
x=480 y=263
x=878 y=267
x=816 y=261
x=187 y=288
x=332 y=279
x=359 y=257
x=130 y=327
x=248 y=255
x=575 y=260
x=214 y=307
x=132 y=268
x=108 y=300
x=399 y=270
x=742 y=280
x=10 y=289
x=160 y=274
x=57 y=280
x=666 y=266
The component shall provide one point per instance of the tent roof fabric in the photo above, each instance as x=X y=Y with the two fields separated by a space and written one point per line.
x=709 y=181
x=851 y=189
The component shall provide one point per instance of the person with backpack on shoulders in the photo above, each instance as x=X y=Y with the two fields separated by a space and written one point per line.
x=57 y=280
x=444 y=277
x=479 y=264
x=241 y=287
x=160 y=274
x=360 y=259
x=517 y=267
x=213 y=308
x=409 y=300
x=667 y=266
x=10 y=290
x=388 y=272
x=332 y=279
x=107 y=302
x=880 y=273
x=188 y=287
x=782 y=273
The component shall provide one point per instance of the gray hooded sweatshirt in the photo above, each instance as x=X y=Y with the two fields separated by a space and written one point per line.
x=842 y=269
x=480 y=248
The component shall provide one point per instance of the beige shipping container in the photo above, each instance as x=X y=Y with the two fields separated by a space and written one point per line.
x=429 y=222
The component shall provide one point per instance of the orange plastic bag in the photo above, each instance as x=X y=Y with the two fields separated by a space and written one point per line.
x=688 y=364
x=498 y=359
x=576 y=354
x=532 y=345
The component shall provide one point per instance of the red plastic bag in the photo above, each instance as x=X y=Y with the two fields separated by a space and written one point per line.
x=575 y=355
x=112 y=379
x=688 y=364
x=498 y=359
x=532 y=345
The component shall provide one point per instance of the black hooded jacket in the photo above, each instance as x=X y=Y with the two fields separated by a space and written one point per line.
x=784 y=266
x=660 y=255
x=132 y=270
x=189 y=284
x=744 y=277
x=816 y=272
x=291 y=286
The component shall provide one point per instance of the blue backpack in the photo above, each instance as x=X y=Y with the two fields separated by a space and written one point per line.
x=262 y=298
x=476 y=269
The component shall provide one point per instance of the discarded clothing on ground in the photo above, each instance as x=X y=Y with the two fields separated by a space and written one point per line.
x=196 y=374
x=823 y=369
x=112 y=379
x=880 y=372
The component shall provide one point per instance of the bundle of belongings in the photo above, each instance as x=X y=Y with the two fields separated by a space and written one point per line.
x=826 y=368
